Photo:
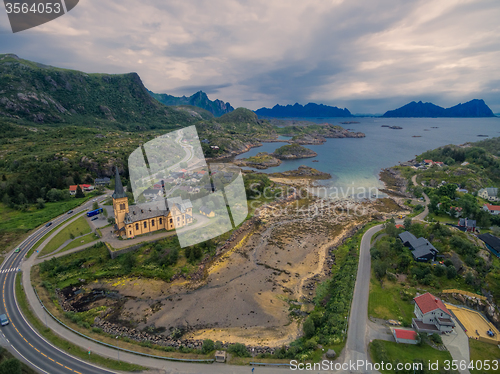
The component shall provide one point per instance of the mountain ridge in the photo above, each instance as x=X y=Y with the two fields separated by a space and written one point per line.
x=471 y=109
x=308 y=110
x=199 y=99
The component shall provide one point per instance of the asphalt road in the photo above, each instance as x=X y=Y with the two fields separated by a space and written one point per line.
x=19 y=336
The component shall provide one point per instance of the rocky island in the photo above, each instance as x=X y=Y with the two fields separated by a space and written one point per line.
x=306 y=172
x=293 y=151
x=261 y=160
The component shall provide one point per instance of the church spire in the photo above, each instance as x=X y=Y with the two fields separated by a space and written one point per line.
x=119 y=192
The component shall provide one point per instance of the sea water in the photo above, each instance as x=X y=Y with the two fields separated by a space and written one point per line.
x=355 y=163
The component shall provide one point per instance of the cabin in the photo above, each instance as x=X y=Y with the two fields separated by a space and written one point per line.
x=421 y=249
x=465 y=224
x=493 y=209
x=432 y=316
x=102 y=181
x=405 y=336
x=207 y=212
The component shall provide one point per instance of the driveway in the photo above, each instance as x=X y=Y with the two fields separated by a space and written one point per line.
x=458 y=345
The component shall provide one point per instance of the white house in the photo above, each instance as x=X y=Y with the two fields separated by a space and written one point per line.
x=432 y=316
x=489 y=193
x=493 y=209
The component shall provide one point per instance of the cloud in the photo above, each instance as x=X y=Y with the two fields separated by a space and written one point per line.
x=366 y=56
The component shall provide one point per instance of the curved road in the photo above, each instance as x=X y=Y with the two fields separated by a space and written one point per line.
x=18 y=334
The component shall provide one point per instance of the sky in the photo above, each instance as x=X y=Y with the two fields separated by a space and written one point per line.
x=368 y=56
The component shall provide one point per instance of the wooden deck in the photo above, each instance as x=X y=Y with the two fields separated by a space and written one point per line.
x=475 y=324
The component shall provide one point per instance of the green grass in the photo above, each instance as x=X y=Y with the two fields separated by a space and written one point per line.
x=80 y=241
x=78 y=227
x=6 y=355
x=483 y=351
x=381 y=350
x=63 y=344
x=387 y=303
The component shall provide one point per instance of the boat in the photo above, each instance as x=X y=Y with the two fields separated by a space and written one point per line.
x=483 y=136
x=384 y=126
x=396 y=127
x=416 y=136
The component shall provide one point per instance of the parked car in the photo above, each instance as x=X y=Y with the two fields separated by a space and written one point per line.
x=94 y=218
x=48 y=224
x=4 y=320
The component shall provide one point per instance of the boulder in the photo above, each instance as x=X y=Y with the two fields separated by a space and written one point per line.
x=331 y=354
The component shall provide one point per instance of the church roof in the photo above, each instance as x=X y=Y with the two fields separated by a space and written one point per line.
x=119 y=192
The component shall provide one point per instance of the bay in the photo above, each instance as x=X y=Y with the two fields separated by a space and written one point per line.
x=355 y=163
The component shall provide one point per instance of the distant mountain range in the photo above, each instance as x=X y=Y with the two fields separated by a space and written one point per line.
x=309 y=110
x=199 y=99
x=473 y=108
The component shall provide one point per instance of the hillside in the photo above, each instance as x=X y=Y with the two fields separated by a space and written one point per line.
x=293 y=151
x=199 y=99
x=473 y=108
x=43 y=94
x=309 y=110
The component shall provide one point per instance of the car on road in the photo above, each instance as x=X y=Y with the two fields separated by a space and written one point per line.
x=48 y=224
x=17 y=250
x=94 y=218
x=4 y=320
x=70 y=212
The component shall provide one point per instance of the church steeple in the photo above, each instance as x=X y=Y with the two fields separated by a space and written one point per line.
x=119 y=192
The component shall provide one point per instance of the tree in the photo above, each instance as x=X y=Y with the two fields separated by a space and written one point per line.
x=308 y=328
x=208 y=346
x=40 y=203
x=10 y=366
x=451 y=272
x=79 y=192
x=95 y=205
x=407 y=223
x=105 y=213
x=380 y=268
x=390 y=229
x=469 y=279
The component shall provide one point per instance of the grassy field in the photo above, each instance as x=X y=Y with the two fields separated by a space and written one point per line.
x=483 y=351
x=387 y=302
x=392 y=352
x=63 y=344
x=15 y=224
x=78 y=227
x=80 y=241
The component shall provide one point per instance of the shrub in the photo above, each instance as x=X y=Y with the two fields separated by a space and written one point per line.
x=308 y=328
x=239 y=350
x=208 y=346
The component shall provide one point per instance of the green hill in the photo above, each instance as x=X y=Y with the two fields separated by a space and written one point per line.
x=44 y=94
x=199 y=99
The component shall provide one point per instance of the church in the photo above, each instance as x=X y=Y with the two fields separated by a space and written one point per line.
x=134 y=220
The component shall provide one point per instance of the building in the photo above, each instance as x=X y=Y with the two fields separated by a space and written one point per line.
x=490 y=193
x=220 y=356
x=421 y=249
x=84 y=187
x=455 y=211
x=134 y=220
x=405 y=336
x=431 y=315
x=492 y=243
x=152 y=193
x=466 y=224
x=428 y=162
x=207 y=212
x=493 y=209
x=102 y=181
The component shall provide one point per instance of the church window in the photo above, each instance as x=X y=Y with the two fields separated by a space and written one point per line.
x=145 y=224
x=122 y=206
x=161 y=220
x=137 y=226
x=152 y=222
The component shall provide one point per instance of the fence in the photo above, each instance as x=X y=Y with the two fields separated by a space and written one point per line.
x=465 y=293
x=115 y=347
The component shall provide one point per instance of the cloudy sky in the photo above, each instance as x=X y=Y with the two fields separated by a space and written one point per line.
x=368 y=56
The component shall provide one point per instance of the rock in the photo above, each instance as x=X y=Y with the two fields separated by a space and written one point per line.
x=331 y=354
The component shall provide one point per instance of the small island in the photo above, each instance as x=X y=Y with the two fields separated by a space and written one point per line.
x=261 y=160
x=303 y=172
x=293 y=151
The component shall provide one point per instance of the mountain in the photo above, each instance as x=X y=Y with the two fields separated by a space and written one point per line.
x=199 y=99
x=473 y=108
x=309 y=110
x=44 y=94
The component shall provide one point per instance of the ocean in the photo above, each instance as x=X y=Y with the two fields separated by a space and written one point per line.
x=355 y=163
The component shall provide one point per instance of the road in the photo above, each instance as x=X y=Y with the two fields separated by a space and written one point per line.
x=421 y=216
x=18 y=334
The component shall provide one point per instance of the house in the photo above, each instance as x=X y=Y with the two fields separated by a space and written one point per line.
x=405 y=336
x=428 y=162
x=493 y=209
x=432 y=316
x=421 y=249
x=84 y=188
x=455 y=211
x=465 y=224
x=152 y=193
x=207 y=212
x=399 y=226
x=463 y=190
x=489 y=193
x=492 y=243
x=439 y=163
x=102 y=181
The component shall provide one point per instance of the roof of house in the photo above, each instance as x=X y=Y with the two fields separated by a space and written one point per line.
x=491 y=191
x=399 y=226
x=152 y=191
x=428 y=303
x=491 y=240
x=105 y=179
x=427 y=161
x=471 y=223
x=73 y=188
x=205 y=210
x=405 y=334
x=492 y=207
x=407 y=237
x=424 y=251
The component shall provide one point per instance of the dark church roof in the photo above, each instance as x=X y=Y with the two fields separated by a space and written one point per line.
x=119 y=192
